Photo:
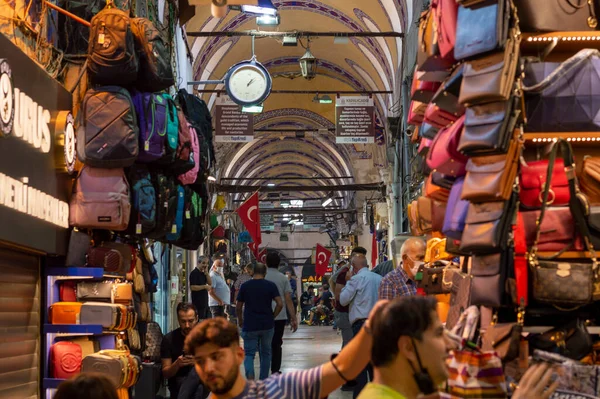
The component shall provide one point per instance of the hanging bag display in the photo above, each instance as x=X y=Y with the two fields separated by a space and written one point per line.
x=155 y=72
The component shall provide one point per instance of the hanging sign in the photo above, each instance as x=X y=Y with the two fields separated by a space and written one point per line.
x=37 y=151
x=355 y=120
x=232 y=125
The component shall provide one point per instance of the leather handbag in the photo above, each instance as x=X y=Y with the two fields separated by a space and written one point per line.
x=438 y=117
x=64 y=313
x=559 y=15
x=437 y=277
x=67 y=291
x=436 y=250
x=454 y=222
x=489 y=278
x=424 y=214
x=65 y=359
x=109 y=259
x=571 y=340
x=504 y=339
x=127 y=252
x=424 y=146
x=481 y=29
x=487 y=227
x=438 y=212
x=557 y=230
x=434 y=191
x=491 y=178
x=105 y=314
x=445 y=12
x=460 y=297
x=443 y=156
x=491 y=78
x=548 y=86
x=416 y=113
x=428 y=131
x=441 y=180
x=589 y=179
x=428 y=55
x=533 y=179
x=107 y=365
x=422 y=91
x=446 y=97
x=489 y=128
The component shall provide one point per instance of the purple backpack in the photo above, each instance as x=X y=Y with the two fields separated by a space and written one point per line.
x=191 y=176
x=456 y=211
x=101 y=200
x=152 y=111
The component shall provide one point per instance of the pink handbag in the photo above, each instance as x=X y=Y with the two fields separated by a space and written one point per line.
x=446 y=13
x=443 y=155
x=424 y=146
x=438 y=117
x=423 y=91
x=417 y=110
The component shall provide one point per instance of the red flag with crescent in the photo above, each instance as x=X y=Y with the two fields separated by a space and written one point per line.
x=262 y=256
x=250 y=216
x=323 y=255
x=254 y=248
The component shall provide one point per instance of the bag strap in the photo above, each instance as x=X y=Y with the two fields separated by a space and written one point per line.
x=520 y=263
x=565 y=68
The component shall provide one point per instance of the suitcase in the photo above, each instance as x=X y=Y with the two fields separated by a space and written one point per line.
x=65 y=359
x=105 y=314
x=65 y=313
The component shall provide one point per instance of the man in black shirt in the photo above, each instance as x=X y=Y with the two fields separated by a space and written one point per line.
x=326 y=296
x=176 y=364
x=200 y=283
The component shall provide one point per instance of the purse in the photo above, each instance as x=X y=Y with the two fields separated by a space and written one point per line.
x=436 y=250
x=489 y=278
x=67 y=291
x=557 y=230
x=65 y=359
x=489 y=128
x=481 y=29
x=443 y=156
x=416 y=112
x=424 y=214
x=491 y=78
x=79 y=243
x=437 y=278
x=438 y=213
x=434 y=191
x=454 y=222
x=428 y=55
x=560 y=15
x=428 y=131
x=532 y=181
x=445 y=12
x=446 y=97
x=107 y=365
x=487 y=227
x=558 y=96
x=438 y=117
x=504 y=339
x=423 y=91
x=492 y=177
x=109 y=259
x=460 y=297
x=571 y=340
x=589 y=179
x=64 y=313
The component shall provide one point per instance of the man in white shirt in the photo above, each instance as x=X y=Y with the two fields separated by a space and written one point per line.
x=361 y=294
x=219 y=291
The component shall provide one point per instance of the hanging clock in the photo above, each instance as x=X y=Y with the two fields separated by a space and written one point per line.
x=248 y=83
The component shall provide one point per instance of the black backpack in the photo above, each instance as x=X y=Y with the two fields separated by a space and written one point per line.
x=155 y=73
x=192 y=234
x=112 y=58
x=143 y=201
x=166 y=205
x=108 y=134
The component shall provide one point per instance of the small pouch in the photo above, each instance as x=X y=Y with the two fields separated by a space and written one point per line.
x=488 y=128
x=487 y=226
x=454 y=222
x=504 y=339
x=491 y=178
x=491 y=78
x=481 y=29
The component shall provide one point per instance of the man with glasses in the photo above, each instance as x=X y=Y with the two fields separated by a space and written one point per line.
x=401 y=281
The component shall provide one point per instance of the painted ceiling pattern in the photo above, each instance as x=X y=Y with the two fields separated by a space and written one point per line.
x=363 y=64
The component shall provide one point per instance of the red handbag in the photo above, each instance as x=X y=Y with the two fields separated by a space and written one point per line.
x=557 y=232
x=532 y=181
x=423 y=91
x=417 y=110
x=443 y=155
x=446 y=13
x=438 y=117
x=66 y=358
x=424 y=146
x=67 y=291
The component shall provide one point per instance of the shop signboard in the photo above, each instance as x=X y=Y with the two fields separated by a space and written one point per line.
x=232 y=125
x=355 y=120
x=37 y=153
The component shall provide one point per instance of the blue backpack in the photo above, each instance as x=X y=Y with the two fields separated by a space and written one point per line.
x=152 y=111
x=177 y=226
x=143 y=201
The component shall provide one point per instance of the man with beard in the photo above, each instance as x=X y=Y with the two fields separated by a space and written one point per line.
x=200 y=285
x=215 y=344
x=176 y=363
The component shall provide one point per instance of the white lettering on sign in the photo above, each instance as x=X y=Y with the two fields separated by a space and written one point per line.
x=31 y=122
x=19 y=196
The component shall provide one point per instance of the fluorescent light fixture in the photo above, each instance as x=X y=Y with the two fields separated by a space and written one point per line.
x=271 y=185
x=264 y=7
x=327 y=201
x=211 y=178
x=268 y=20
x=290 y=41
x=252 y=109
x=286 y=218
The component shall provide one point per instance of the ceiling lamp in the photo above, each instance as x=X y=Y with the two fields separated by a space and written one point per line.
x=264 y=7
x=308 y=64
x=268 y=20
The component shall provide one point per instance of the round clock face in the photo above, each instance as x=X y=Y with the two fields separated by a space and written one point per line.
x=248 y=84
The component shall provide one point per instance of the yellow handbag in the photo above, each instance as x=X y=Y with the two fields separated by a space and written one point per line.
x=436 y=250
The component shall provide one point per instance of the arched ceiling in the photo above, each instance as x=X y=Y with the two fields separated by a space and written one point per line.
x=362 y=64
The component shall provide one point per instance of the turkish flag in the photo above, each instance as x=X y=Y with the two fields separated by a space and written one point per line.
x=323 y=255
x=262 y=256
x=250 y=216
x=254 y=248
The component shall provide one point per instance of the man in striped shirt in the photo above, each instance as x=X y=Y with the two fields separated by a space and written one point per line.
x=215 y=344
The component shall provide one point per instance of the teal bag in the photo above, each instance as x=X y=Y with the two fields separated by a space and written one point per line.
x=171 y=131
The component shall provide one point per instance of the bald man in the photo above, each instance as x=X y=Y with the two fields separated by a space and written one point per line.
x=401 y=281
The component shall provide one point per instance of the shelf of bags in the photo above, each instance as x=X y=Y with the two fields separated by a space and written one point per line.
x=73 y=329
x=584 y=138
x=52 y=383
x=561 y=41
x=595 y=330
x=65 y=273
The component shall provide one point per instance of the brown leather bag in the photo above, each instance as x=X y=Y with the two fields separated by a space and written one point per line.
x=434 y=191
x=491 y=78
x=491 y=178
x=438 y=212
x=589 y=179
x=424 y=214
x=504 y=339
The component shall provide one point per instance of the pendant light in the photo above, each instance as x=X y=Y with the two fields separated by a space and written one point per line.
x=308 y=64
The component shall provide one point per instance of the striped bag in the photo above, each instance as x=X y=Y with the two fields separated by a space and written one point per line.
x=475 y=374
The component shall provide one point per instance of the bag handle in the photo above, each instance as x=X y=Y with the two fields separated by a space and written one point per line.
x=564 y=68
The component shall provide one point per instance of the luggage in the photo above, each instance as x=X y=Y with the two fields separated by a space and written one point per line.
x=151 y=110
x=155 y=72
x=64 y=313
x=112 y=57
x=65 y=359
x=108 y=134
x=143 y=201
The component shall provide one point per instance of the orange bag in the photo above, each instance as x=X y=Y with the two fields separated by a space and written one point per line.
x=64 y=313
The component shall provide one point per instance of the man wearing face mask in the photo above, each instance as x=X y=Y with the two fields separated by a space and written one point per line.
x=400 y=281
x=219 y=291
